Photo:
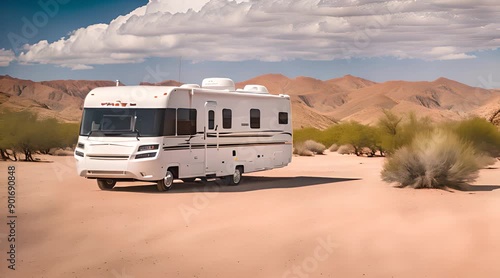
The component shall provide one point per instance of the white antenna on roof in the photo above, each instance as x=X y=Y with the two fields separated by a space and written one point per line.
x=117 y=82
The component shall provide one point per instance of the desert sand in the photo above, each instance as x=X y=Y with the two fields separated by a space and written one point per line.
x=323 y=216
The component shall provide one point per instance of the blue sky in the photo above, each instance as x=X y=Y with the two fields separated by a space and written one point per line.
x=135 y=40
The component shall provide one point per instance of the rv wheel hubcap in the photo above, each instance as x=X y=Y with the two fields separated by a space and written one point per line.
x=168 y=179
x=237 y=176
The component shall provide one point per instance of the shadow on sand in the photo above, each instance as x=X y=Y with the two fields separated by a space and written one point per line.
x=482 y=188
x=247 y=184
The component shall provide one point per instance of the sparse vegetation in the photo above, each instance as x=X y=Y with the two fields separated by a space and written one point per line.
x=315 y=147
x=482 y=134
x=22 y=132
x=434 y=160
x=357 y=135
x=300 y=149
x=346 y=149
x=396 y=132
x=333 y=148
x=309 y=148
x=421 y=154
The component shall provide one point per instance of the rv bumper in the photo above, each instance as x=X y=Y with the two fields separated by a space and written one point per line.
x=141 y=169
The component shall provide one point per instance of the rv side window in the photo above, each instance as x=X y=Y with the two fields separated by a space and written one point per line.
x=283 y=118
x=169 y=125
x=254 y=118
x=211 y=119
x=186 y=121
x=227 y=118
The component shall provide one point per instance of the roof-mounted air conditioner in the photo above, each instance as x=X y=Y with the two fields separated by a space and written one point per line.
x=257 y=89
x=218 y=84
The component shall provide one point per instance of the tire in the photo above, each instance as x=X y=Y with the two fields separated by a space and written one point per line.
x=235 y=178
x=165 y=184
x=189 y=179
x=106 y=184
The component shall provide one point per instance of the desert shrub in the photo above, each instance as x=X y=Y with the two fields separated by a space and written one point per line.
x=333 y=148
x=315 y=147
x=345 y=149
x=434 y=160
x=412 y=127
x=300 y=149
x=23 y=132
x=389 y=127
x=396 y=132
x=304 y=134
x=482 y=134
x=390 y=122
x=359 y=136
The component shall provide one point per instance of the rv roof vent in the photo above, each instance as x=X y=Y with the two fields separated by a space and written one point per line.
x=218 y=84
x=258 y=89
x=190 y=86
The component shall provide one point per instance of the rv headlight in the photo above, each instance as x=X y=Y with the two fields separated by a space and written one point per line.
x=148 y=147
x=78 y=153
x=80 y=145
x=145 y=155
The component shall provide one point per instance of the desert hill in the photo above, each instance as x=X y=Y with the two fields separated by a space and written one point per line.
x=440 y=99
x=163 y=83
x=315 y=102
x=354 y=98
x=60 y=99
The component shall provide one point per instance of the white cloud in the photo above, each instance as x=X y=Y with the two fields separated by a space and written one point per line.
x=6 y=56
x=77 y=66
x=456 y=56
x=274 y=30
x=448 y=53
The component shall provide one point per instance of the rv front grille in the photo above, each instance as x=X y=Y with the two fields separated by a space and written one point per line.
x=99 y=172
x=109 y=157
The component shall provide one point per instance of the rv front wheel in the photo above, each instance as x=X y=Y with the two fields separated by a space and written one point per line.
x=165 y=184
x=235 y=178
x=106 y=184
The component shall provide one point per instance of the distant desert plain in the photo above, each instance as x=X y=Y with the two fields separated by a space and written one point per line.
x=323 y=216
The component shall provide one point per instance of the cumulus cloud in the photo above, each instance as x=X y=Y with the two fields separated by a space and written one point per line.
x=276 y=30
x=6 y=56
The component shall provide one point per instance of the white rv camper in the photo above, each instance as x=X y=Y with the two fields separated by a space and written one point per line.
x=158 y=134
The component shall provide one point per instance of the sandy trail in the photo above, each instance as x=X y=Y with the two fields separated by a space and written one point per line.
x=323 y=216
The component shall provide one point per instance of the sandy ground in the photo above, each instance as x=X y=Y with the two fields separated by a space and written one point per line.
x=323 y=216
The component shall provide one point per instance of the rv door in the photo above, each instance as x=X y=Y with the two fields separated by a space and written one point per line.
x=210 y=130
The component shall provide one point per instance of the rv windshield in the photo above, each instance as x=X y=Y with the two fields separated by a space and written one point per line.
x=122 y=122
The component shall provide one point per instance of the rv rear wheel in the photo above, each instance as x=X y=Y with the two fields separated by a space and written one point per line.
x=106 y=184
x=235 y=178
x=165 y=184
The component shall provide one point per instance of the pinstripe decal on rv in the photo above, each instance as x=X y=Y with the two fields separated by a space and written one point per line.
x=202 y=146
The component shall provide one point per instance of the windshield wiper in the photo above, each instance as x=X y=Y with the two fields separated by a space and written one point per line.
x=138 y=134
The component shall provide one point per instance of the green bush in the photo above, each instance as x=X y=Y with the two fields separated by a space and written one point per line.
x=396 y=132
x=359 y=136
x=482 y=134
x=304 y=134
x=434 y=160
x=23 y=132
